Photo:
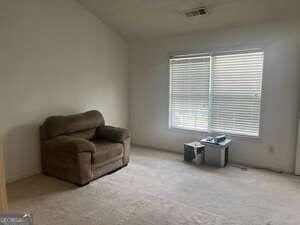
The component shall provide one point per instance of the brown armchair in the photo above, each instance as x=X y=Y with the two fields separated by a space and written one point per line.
x=79 y=148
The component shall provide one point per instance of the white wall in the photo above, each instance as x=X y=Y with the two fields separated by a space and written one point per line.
x=55 y=58
x=149 y=91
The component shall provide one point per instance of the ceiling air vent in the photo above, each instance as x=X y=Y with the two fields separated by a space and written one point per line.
x=196 y=12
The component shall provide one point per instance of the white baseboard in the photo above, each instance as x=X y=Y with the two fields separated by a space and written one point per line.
x=23 y=174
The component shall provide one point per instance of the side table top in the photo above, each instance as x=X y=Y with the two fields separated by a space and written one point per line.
x=195 y=144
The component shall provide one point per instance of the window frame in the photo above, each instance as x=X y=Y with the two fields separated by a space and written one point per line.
x=212 y=54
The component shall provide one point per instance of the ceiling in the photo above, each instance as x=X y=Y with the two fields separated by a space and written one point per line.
x=143 y=19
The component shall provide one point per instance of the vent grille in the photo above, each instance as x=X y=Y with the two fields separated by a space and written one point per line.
x=196 y=12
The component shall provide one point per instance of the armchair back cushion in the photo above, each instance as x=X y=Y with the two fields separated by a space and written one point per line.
x=79 y=125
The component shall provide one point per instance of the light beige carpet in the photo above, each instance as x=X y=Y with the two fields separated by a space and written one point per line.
x=158 y=188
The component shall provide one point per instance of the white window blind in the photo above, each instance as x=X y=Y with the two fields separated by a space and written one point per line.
x=236 y=93
x=217 y=93
x=189 y=89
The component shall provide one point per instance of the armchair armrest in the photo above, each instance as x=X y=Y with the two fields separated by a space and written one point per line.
x=70 y=145
x=114 y=134
x=68 y=158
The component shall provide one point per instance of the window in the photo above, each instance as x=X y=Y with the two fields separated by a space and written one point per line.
x=217 y=93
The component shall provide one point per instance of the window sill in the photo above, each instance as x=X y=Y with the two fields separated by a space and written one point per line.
x=203 y=133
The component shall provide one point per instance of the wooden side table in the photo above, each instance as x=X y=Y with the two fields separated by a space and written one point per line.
x=3 y=196
x=193 y=150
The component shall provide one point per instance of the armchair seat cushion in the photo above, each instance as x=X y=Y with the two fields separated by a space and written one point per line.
x=114 y=134
x=106 y=152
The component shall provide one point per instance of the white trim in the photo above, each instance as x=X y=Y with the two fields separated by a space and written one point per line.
x=23 y=174
x=257 y=139
x=241 y=51
x=193 y=54
x=210 y=94
x=170 y=94
x=3 y=192
x=210 y=50
x=297 y=162
x=188 y=56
